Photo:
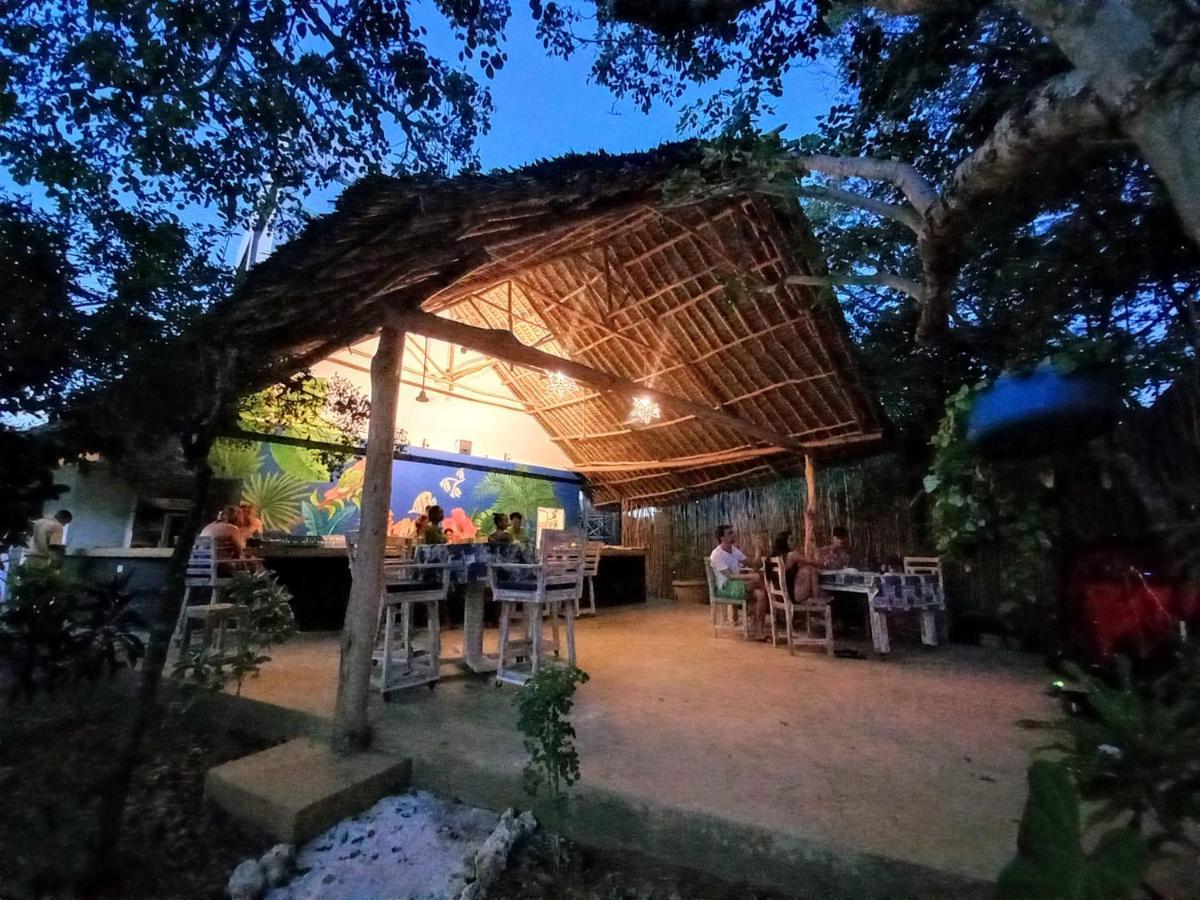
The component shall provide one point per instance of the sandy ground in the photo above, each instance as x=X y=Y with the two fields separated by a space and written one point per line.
x=920 y=758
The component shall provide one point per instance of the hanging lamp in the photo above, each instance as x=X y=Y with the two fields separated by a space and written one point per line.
x=423 y=397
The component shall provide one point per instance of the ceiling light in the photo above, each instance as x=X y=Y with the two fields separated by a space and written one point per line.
x=559 y=385
x=644 y=411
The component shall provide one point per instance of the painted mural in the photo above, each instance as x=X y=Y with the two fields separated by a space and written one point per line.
x=296 y=494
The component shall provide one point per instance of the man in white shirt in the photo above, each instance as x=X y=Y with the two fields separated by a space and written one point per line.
x=733 y=583
x=46 y=537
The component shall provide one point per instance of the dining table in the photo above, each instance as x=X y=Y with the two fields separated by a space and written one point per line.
x=469 y=568
x=891 y=592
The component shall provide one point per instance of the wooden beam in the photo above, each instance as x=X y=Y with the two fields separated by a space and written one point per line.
x=810 y=508
x=505 y=347
x=351 y=727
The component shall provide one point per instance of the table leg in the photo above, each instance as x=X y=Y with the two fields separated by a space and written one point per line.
x=533 y=626
x=929 y=636
x=473 y=656
x=570 y=609
x=879 y=629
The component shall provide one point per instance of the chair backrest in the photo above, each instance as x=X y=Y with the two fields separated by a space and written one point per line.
x=562 y=559
x=924 y=565
x=775 y=578
x=591 y=558
x=712 y=579
x=207 y=553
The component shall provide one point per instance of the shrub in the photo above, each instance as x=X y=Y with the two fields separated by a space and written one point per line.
x=264 y=618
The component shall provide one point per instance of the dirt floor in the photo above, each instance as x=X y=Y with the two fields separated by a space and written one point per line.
x=919 y=759
x=54 y=755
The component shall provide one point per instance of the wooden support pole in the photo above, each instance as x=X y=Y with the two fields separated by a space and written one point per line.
x=810 y=508
x=502 y=345
x=351 y=730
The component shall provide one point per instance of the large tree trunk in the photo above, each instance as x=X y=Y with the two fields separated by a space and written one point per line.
x=111 y=812
x=352 y=729
x=1141 y=60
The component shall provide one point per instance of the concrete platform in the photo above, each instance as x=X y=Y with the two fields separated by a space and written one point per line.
x=825 y=776
x=296 y=790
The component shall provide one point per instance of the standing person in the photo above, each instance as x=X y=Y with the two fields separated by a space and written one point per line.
x=225 y=528
x=501 y=534
x=432 y=533
x=46 y=537
x=516 y=527
x=734 y=584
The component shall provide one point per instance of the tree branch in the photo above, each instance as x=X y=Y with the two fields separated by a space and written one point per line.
x=1055 y=115
x=896 y=213
x=919 y=192
x=879 y=279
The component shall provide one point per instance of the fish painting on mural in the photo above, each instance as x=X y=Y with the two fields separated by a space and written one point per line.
x=450 y=484
x=424 y=500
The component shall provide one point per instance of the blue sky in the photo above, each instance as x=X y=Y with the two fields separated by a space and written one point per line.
x=546 y=107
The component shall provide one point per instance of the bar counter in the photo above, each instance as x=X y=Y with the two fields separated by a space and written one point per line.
x=319 y=577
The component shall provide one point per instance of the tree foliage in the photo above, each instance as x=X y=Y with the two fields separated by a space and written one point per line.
x=209 y=103
x=1084 y=243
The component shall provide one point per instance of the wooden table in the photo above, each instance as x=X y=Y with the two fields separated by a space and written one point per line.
x=887 y=592
x=468 y=567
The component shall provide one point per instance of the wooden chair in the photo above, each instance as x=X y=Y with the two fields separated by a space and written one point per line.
x=402 y=658
x=591 y=565
x=725 y=611
x=931 y=565
x=538 y=590
x=212 y=565
x=781 y=601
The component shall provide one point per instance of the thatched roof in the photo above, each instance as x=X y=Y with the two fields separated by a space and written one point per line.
x=583 y=258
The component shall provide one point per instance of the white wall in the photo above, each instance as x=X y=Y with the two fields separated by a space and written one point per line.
x=442 y=421
x=101 y=503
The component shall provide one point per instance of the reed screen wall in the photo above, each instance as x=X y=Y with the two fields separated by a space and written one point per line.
x=864 y=497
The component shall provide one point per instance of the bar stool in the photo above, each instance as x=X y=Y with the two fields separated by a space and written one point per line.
x=591 y=566
x=538 y=590
x=402 y=658
x=212 y=566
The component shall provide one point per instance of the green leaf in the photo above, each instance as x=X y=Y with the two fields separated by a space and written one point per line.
x=1050 y=862
x=1117 y=865
x=931 y=483
x=299 y=463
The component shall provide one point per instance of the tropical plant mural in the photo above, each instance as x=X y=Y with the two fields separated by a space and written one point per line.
x=331 y=510
x=292 y=490
x=277 y=497
x=512 y=492
x=235 y=459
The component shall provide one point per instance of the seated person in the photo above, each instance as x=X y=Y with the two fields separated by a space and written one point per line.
x=734 y=584
x=224 y=529
x=801 y=574
x=249 y=523
x=501 y=535
x=837 y=554
x=431 y=532
x=516 y=527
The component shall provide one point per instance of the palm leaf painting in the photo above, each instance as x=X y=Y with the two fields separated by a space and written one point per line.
x=301 y=462
x=324 y=518
x=277 y=496
x=513 y=492
x=235 y=459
